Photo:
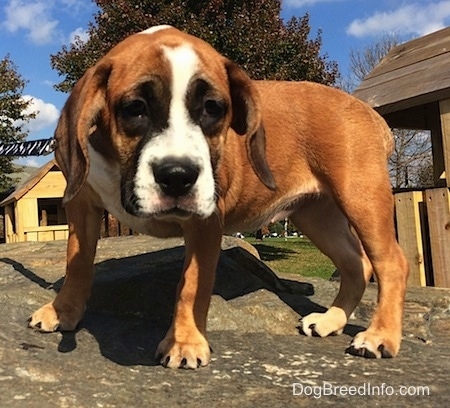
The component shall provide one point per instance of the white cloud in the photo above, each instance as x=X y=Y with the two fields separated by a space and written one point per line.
x=417 y=18
x=76 y=6
x=31 y=162
x=46 y=114
x=48 y=83
x=33 y=17
x=39 y=19
x=79 y=32
x=71 y=3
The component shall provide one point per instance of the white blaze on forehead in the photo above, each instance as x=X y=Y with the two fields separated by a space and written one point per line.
x=184 y=65
x=154 y=29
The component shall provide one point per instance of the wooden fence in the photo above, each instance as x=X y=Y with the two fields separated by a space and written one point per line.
x=423 y=228
x=111 y=227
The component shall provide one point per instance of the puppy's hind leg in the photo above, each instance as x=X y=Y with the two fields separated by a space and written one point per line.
x=375 y=226
x=328 y=228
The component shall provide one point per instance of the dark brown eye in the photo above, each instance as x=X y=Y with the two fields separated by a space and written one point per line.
x=207 y=106
x=212 y=115
x=135 y=109
x=214 y=108
x=134 y=117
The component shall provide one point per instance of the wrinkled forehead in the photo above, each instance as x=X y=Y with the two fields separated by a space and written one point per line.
x=167 y=54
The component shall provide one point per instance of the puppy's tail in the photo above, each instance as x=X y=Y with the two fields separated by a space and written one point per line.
x=389 y=142
x=385 y=132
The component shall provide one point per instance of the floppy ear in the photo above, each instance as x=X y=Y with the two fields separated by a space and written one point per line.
x=77 y=118
x=247 y=121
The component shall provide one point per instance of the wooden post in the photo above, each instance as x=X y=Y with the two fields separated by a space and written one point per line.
x=9 y=223
x=438 y=152
x=407 y=208
x=18 y=217
x=444 y=109
x=438 y=209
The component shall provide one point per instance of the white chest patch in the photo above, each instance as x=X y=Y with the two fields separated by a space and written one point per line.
x=104 y=178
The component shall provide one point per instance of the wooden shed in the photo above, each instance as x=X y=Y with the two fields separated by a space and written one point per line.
x=34 y=212
x=410 y=88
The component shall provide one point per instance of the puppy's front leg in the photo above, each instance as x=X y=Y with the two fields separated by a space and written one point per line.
x=64 y=313
x=185 y=344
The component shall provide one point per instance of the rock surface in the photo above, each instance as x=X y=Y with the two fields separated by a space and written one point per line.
x=259 y=357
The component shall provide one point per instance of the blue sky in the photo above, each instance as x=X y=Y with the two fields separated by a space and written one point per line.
x=31 y=30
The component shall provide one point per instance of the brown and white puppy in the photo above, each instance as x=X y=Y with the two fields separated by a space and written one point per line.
x=174 y=139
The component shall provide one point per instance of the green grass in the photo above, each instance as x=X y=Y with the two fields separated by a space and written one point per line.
x=294 y=255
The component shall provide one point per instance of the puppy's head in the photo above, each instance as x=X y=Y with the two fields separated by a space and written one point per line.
x=160 y=105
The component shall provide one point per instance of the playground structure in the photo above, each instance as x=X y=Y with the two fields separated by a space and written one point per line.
x=410 y=88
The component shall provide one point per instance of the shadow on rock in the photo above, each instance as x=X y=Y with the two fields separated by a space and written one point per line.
x=30 y=275
x=270 y=253
x=131 y=304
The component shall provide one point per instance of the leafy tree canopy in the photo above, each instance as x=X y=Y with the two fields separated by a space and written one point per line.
x=249 y=32
x=13 y=115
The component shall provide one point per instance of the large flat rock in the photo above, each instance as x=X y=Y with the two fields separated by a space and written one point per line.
x=259 y=357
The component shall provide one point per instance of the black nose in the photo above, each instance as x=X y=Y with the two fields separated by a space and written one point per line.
x=175 y=177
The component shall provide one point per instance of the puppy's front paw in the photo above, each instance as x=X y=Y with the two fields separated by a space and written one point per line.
x=323 y=324
x=190 y=352
x=375 y=344
x=50 y=318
